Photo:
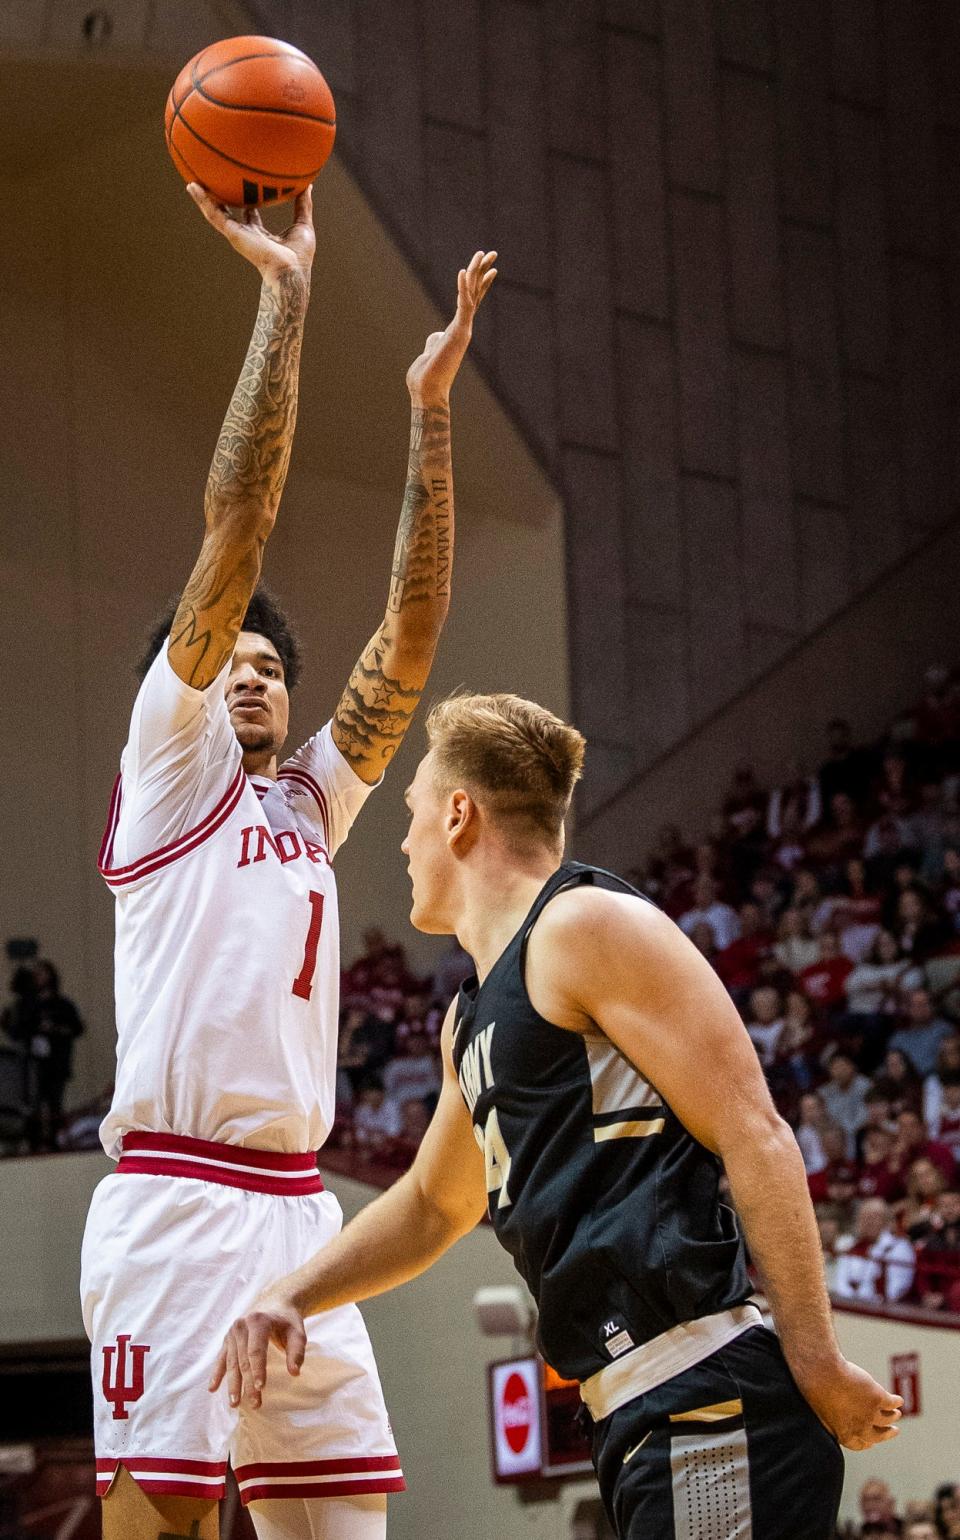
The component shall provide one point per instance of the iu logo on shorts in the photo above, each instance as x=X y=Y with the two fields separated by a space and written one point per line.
x=117 y=1388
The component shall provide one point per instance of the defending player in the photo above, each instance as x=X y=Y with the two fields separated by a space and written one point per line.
x=227 y=971
x=599 y=1064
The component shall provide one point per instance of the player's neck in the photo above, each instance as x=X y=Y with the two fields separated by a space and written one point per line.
x=260 y=762
x=495 y=899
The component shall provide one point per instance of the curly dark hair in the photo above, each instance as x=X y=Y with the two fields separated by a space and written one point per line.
x=263 y=615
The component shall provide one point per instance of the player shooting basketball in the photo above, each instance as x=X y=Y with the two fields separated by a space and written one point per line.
x=227 y=968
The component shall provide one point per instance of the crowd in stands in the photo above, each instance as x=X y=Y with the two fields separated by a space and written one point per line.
x=881 y=1518
x=830 y=908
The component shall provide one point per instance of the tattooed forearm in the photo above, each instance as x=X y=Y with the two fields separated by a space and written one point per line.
x=253 y=452
x=383 y=691
x=420 y=579
x=244 y=486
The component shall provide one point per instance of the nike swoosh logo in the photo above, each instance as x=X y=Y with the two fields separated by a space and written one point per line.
x=631 y=1452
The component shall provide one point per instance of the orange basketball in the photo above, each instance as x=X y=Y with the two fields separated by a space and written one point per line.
x=250 y=118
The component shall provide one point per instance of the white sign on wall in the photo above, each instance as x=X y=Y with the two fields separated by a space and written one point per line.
x=515 y=1417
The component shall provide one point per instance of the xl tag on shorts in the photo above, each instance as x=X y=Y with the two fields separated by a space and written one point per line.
x=616 y=1339
x=117 y=1388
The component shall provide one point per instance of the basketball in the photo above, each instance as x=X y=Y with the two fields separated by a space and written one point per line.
x=250 y=118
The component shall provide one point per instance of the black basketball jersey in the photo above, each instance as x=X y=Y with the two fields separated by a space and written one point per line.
x=608 y=1206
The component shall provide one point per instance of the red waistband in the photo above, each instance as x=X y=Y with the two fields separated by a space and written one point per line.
x=291 y=1176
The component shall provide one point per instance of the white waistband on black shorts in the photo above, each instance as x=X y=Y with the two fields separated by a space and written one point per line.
x=664 y=1357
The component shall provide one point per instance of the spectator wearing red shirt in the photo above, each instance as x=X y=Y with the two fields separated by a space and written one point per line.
x=737 y=963
x=911 y=1143
x=875 y=1178
x=837 y=1181
x=938 y=1260
x=823 y=981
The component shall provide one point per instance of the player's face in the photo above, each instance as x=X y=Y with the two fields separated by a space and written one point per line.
x=427 y=852
x=257 y=698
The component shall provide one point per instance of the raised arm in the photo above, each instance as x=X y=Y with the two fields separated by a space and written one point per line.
x=393 y=1239
x=383 y=691
x=250 y=462
x=617 y=963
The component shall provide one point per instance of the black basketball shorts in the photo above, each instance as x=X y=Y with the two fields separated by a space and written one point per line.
x=728 y=1450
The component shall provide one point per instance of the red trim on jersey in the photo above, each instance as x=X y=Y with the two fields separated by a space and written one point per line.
x=122 y=876
x=113 y=818
x=297 y=773
x=366 y=1473
x=291 y=1176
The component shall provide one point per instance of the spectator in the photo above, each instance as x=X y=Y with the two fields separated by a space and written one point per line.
x=945 y=1125
x=366 y=1042
x=925 y=1183
x=920 y=931
x=922 y=1032
x=846 y=769
x=938 y=1260
x=911 y=1143
x=838 y=836
x=880 y=1264
x=872 y=989
x=843 y=1096
x=737 y=963
x=795 y=947
x=877 y=1504
x=809 y=1128
x=709 y=907
x=948 y=1060
x=876 y=1177
x=765 y=1023
x=376 y=1118
x=899 y=1081
x=415 y=1075
x=837 y=1181
x=824 y=980
x=796 y=1046
x=834 y=1240
x=794 y=808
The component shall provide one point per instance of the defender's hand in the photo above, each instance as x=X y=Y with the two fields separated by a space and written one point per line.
x=270 y=254
x=430 y=376
x=243 y=1357
x=848 y=1401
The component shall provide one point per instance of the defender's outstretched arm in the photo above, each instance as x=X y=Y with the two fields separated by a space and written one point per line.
x=250 y=462
x=383 y=691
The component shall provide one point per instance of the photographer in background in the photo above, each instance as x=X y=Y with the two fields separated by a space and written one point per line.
x=45 y=1023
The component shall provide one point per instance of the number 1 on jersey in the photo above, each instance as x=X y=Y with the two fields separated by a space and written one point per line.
x=303 y=983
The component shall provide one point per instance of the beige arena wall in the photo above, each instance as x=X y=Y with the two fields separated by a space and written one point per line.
x=124 y=324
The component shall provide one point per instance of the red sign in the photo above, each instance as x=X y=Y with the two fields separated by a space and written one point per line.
x=516 y=1413
x=905 y=1379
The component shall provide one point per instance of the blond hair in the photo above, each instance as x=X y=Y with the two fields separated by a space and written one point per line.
x=516 y=758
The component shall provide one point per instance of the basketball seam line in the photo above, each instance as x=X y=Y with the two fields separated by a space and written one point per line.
x=274 y=176
x=245 y=58
x=175 y=150
x=286 y=112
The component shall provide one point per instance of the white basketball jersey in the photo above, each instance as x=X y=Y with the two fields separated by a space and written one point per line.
x=227 y=932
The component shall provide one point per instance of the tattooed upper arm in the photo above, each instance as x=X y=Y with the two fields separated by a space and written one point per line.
x=383 y=692
x=246 y=479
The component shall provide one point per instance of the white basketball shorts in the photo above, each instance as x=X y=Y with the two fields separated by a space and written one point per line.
x=180 y=1240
